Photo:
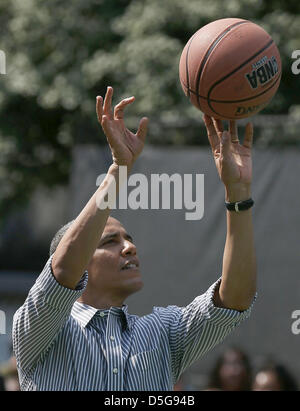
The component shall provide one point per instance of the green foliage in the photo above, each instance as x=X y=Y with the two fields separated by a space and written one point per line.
x=61 y=55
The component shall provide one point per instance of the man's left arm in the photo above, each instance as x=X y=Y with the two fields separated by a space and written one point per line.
x=206 y=321
x=234 y=165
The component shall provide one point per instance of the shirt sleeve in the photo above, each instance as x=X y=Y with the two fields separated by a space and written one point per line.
x=45 y=311
x=195 y=329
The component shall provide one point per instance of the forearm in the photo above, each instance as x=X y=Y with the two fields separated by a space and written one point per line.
x=238 y=283
x=78 y=245
x=234 y=164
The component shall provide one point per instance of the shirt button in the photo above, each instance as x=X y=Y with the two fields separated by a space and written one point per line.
x=115 y=370
x=102 y=314
x=112 y=338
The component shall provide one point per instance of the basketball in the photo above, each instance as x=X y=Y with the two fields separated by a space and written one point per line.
x=230 y=69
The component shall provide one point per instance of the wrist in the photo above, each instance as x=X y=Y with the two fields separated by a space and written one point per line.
x=237 y=192
x=119 y=173
x=115 y=168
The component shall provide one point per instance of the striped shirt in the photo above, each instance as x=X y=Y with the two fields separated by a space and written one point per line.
x=61 y=344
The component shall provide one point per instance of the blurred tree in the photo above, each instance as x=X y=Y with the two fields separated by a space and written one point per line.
x=46 y=100
x=61 y=54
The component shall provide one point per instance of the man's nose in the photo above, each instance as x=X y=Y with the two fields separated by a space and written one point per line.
x=128 y=248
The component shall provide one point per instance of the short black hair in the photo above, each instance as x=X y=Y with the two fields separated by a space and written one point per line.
x=58 y=236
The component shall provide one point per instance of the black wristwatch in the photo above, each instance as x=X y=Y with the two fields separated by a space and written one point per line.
x=240 y=205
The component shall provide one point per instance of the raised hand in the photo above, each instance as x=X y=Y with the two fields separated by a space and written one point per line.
x=233 y=160
x=125 y=145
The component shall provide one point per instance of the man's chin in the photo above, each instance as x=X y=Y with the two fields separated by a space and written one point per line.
x=134 y=285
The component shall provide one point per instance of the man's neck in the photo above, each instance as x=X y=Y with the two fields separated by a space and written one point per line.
x=101 y=303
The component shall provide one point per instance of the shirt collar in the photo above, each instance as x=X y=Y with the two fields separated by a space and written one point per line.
x=83 y=313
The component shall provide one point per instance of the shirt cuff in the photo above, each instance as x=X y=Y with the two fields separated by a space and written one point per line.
x=55 y=294
x=225 y=316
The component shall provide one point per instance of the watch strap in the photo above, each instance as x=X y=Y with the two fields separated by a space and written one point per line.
x=239 y=205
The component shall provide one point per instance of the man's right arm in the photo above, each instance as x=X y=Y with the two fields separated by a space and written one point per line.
x=78 y=245
x=61 y=283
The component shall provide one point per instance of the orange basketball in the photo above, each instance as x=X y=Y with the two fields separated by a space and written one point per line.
x=230 y=69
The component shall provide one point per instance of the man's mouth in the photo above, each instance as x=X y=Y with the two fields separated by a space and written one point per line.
x=130 y=266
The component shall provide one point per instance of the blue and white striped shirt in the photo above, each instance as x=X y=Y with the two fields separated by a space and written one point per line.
x=61 y=344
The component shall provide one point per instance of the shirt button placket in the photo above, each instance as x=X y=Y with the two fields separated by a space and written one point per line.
x=115 y=359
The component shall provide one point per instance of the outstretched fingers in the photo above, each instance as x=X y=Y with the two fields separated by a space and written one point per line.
x=225 y=144
x=119 y=109
x=211 y=132
x=99 y=108
x=248 y=140
x=233 y=131
x=218 y=126
x=107 y=110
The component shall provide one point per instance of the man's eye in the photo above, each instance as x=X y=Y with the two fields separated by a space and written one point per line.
x=110 y=241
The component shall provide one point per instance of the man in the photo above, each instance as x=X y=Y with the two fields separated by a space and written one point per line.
x=74 y=334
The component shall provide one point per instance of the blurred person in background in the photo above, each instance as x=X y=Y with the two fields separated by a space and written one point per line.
x=232 y=372
x=9 y=374
x=274 y=377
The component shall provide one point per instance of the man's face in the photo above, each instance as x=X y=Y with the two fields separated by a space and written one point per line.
x=114 y=268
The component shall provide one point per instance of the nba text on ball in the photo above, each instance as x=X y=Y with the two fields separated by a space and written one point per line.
x=263 y=71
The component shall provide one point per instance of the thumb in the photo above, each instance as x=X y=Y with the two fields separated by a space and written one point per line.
x=225 y=143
